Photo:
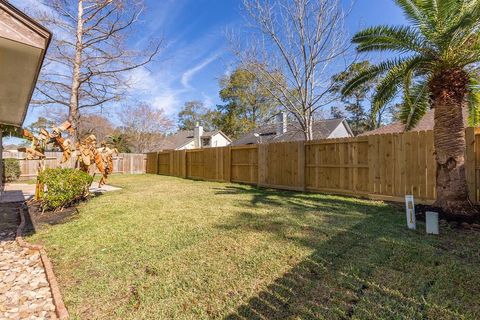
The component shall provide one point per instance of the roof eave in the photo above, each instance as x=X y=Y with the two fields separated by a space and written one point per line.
x=42 y=31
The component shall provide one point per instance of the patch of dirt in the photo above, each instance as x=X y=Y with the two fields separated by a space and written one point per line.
x=421 y=210
x=50 y=217
x=470 y=222
x=9 y=216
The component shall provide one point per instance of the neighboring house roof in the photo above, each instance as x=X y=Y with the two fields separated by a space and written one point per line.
x=322 y=129
x=184 y=137
x=425 y=124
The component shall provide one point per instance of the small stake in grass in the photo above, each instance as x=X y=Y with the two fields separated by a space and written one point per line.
x=410 y=211
x=431 y=220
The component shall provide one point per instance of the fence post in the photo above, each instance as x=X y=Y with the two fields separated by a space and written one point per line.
x=470 y=163
x=372 y=157
x=131 y=165
x=185 y=164
x=302 y=164
x=229 y=161
x=170 y=162
x=262 y=164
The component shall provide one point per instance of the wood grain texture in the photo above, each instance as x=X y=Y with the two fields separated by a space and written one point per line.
x=387 y=166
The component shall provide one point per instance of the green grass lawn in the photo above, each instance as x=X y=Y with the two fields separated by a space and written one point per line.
x=167 y=248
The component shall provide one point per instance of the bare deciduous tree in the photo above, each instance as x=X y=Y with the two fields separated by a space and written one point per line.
x=96 y=124
x=299 y=39
x=144 y=126
x=88 y=61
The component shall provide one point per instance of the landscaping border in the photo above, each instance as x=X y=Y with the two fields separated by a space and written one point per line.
x=60 y=309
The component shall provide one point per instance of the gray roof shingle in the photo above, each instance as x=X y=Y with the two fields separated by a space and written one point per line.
x=182 y=137
x=425 y=124
x=321 y=130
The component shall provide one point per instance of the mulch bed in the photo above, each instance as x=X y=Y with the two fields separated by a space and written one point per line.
x=50 y=217
x=9 y=218
x=469 y=222
x=462 y=222
x=421 y=210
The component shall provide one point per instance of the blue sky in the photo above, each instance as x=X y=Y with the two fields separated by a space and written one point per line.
x=196 y=51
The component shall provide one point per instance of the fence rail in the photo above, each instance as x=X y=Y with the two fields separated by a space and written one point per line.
x=123 y=163
x=385 y=167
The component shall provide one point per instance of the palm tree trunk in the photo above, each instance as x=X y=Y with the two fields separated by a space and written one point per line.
x=448 y=95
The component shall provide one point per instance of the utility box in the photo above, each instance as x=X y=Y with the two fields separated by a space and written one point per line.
x=431 y=220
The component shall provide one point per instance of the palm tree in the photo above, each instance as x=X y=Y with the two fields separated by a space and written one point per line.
x=119 y=142
x=437 y=68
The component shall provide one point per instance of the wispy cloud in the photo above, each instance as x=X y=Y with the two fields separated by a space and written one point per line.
x=167 y=100
x=32 y=5
x=187 y=67
x=207 y=100
x=156 y=89
x=190 y=73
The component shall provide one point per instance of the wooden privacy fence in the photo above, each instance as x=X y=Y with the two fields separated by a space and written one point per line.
x=385 y=167
x=123 y=163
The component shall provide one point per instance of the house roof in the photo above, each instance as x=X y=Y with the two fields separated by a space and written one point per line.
x=425 y=124
x=322 y=129
x=183 y=137
x=23 y=43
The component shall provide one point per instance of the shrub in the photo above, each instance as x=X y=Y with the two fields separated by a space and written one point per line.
x=64 y=187
x=11 y=170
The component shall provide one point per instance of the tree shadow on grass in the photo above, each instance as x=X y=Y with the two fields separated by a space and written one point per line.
x=361 y=265
x=293 y=199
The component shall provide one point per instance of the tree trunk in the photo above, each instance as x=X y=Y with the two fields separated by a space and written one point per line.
x=74 y=114
x=448 y=90
x=307 y=126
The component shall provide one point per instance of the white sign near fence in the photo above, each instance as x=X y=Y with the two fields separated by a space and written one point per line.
x=410 y=210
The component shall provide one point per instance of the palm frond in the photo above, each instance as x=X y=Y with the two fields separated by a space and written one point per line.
x=416 y=103
x=382 y=38
x=391 y=83
x=447 y=10
x=474 y=101
x=413 y=11
x=460 y=29
x=371 y=73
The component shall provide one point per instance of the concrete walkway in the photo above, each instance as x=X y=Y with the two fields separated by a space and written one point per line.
x=19 y=192
x=105 y=188
x=14 y=192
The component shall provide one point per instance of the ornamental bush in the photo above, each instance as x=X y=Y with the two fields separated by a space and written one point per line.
x=11 y=169
x=64 y=187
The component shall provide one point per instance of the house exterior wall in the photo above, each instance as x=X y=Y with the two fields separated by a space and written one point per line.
x=340 y=132
x=219 y=140
x=190 y=145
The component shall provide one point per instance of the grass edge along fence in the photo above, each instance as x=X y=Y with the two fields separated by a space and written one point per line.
x=380 y=167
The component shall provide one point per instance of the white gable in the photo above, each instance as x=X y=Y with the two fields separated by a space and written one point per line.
x=340 y=132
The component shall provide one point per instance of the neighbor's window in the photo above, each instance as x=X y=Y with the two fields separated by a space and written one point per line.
x=206 y=142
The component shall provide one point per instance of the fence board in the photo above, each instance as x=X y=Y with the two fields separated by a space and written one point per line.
x=164 y=163
x=180 y=163
x=195 y=164
x=385 y=167
x=470 y=162
x=244 y=164
x=123 y=163
x=281 y=165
